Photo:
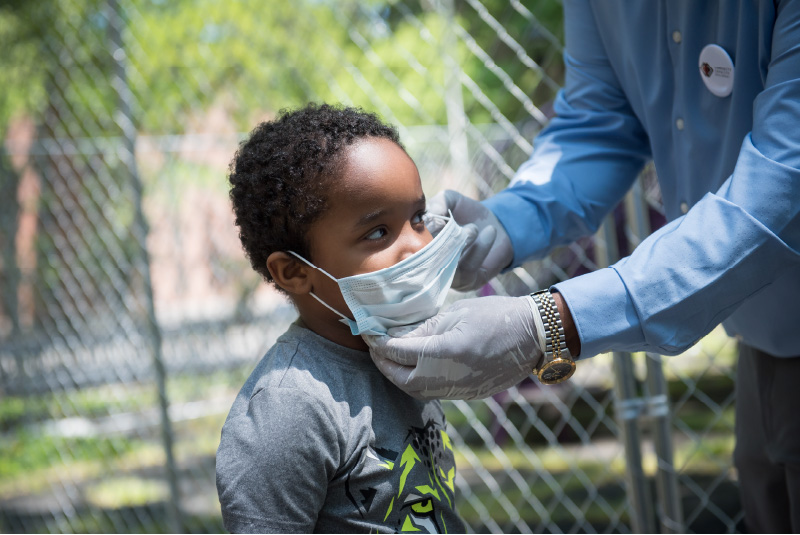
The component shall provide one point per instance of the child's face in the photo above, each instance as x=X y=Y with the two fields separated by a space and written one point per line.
x=373 y=220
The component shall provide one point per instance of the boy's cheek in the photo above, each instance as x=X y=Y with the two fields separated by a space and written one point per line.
x=395 y=254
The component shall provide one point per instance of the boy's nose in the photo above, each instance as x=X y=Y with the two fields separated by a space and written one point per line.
x=413 y=241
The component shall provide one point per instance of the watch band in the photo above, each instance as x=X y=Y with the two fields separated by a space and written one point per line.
x=555 y=339
x=556 y=365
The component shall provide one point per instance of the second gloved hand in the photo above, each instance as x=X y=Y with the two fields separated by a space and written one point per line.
x=474 y=349
x=488 y=250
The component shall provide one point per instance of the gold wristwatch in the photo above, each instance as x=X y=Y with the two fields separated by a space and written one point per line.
x=557 y=364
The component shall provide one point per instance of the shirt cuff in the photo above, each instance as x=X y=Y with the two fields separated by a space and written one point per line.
x=603 y=313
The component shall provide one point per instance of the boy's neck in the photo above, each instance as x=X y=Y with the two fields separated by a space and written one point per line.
x=337 y=333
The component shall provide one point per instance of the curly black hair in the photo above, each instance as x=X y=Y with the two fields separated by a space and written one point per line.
x=281 y=173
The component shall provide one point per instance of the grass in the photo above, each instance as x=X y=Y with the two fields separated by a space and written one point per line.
x=126 y=491
x=16 y=411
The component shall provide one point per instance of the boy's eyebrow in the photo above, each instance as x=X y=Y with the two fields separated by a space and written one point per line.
x=372 y=216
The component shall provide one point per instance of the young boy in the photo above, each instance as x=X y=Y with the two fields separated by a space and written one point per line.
x=328 y=202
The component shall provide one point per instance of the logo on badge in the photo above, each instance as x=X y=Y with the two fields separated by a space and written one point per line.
x=719 y=78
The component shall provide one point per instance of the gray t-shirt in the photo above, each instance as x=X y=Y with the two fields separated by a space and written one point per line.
x=319 y=441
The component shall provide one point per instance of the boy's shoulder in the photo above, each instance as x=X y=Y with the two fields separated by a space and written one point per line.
x=305 y=362
x=300 y=356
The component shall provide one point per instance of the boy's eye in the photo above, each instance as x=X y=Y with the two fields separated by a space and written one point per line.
x=376 y=234
x=418 y=217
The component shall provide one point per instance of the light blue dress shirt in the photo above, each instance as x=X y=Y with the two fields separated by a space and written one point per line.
x=633 y=92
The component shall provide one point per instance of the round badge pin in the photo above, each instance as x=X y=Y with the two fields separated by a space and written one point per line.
x=716 y=70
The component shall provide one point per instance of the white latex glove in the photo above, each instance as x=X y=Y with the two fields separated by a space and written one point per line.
x=488 y=250
x=476 y=348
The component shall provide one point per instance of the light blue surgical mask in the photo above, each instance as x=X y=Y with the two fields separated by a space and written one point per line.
x=406 y=293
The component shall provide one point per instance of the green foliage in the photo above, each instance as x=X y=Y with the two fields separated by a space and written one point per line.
x=530 y=36
x=23 y=75
x=253 y=58
x=55 y=53
x=192 y=54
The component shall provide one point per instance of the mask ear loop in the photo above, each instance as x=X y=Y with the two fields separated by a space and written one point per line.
x=326 y=305
x=312 y=265
x=323 y=303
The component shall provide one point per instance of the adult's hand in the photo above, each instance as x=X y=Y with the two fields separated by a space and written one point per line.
x=488 y=250
x=474 y=349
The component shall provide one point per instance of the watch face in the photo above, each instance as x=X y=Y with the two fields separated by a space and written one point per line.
x=557 y=371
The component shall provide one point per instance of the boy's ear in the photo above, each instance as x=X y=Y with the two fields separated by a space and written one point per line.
x=289 y=273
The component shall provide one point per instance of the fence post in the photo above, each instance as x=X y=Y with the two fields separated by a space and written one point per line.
x=125 y=119
x=628 y=409
x=9 y=221
x=670 y=513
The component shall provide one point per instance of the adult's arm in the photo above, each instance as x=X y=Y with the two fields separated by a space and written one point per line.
x=691 y=274
x=586 y=158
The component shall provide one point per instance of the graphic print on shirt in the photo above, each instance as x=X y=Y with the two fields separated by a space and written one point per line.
x=427 y=455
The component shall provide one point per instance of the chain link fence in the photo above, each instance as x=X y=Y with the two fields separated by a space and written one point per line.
x=129 y=316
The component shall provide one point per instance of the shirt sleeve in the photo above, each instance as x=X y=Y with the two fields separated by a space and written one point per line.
x=586 y=158
x=690 y=275
x=274 y=462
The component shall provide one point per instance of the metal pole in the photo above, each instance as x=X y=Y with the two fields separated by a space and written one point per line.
x=670 y=512
x=140 y=231
x=628 y=409
x=669 y=505
x=9 y=224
